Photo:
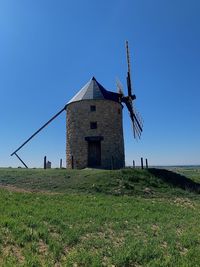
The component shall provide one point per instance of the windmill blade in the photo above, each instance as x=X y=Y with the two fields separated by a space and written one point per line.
x=137 y=123
x=139 y=117
x=128 y=100
x=128 y=57
x=137 y=126
x=34 y=134
x=137 y=129
x=128 y=78
x=119 y=87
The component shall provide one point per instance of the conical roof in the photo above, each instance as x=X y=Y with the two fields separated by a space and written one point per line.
x=94 y=90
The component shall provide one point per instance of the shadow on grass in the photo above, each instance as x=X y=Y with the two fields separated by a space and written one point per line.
x=176 y=180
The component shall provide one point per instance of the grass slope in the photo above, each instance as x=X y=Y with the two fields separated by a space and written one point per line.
x=115 y=182
x=101 y=218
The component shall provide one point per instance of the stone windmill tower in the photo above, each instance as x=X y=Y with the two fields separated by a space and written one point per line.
x=94 y=126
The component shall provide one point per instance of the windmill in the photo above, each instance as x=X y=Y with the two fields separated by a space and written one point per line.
x=128 y=100
x=94 y=125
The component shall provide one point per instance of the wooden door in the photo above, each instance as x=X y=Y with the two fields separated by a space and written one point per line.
x=94 y=153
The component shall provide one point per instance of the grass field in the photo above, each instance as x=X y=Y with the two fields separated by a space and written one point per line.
x=99 y=218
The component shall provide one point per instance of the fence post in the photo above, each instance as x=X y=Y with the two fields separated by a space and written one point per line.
x=134 y=164
x=142 y=166
x=45 y=162
x=147 y=164
x=60 y=163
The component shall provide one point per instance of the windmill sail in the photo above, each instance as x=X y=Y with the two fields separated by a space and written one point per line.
x=128 y=100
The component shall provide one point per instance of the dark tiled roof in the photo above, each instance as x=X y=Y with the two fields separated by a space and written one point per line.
x=94 y=90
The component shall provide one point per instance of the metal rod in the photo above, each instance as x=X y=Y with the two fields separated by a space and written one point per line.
x=21 y=160
x=39 y=130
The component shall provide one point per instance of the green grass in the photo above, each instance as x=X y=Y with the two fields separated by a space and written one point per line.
x=99 y=218
x=192 y=173
x=116 y=182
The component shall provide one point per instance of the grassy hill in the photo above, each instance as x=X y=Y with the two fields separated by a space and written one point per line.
x=116 y=182
x=99 y=218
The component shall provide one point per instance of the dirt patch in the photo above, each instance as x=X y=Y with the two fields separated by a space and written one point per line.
x=14 y=251
x=184 y=202
x=12 y=188
x=42 y=247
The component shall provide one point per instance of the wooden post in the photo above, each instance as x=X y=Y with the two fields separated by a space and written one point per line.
x=60 y=163
x=134 y=164
x=142 y=166
x=72 y=162
x=21 y=160
x=147 y=164
x=45 y=162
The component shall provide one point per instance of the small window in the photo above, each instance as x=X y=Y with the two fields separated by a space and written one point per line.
x=93 y=108
x=93 y=125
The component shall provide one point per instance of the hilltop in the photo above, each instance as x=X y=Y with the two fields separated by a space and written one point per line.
x=114 y=182
x=99 y=218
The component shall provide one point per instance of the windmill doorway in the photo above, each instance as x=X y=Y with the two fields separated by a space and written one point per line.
x=94 y=153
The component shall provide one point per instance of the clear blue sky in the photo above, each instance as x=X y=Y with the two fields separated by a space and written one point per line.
x=49 y=49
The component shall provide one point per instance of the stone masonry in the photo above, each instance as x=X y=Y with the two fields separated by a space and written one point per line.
x=108 y=116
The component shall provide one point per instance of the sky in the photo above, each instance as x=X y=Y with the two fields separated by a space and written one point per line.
x=50 y=49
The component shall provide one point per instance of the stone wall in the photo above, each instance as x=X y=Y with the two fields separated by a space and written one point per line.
x=108 y=116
